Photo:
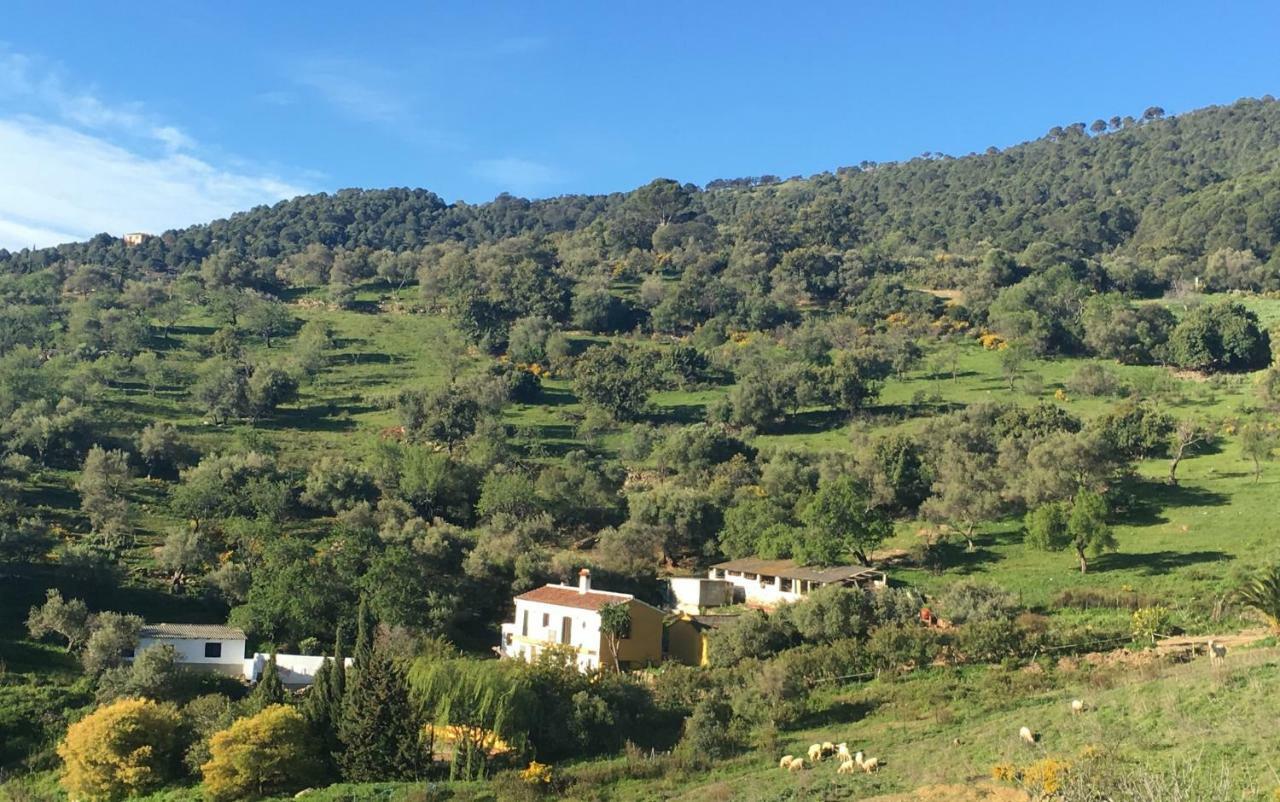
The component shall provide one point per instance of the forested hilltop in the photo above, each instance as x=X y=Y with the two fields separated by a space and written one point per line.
x=1035 y=386
x=1157 y=188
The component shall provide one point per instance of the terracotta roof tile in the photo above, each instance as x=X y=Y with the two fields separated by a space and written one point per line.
x=566 y=596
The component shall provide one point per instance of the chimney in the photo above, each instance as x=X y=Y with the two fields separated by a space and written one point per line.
x=584 y=580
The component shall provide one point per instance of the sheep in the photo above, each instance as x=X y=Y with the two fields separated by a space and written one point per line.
x=828 y=749
x=786 y=762
x=842 y=752
x=847 y=767
x=870 y=764
x=1077 y=706
x=796 y=765
x=858 y=759
x=1027 y=735
x=1217 y=652
x=815 y=753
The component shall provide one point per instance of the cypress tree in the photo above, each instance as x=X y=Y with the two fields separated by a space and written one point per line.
x=380 y=728
x=269 y=690
x=323 y=706
x=366 y=629
x=338 y=678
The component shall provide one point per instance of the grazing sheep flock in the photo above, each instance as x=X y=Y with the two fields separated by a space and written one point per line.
x=847 y=763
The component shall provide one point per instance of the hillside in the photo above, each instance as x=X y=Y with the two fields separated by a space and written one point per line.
x=1036 y=386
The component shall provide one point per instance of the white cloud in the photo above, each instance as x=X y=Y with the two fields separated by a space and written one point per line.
x=61 y=184
x=74 y=165
x=520 y=176
x=34 y=83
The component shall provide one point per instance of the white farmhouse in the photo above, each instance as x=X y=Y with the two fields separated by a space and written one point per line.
x=563 y=614
x=208 y=647
x=768 y=583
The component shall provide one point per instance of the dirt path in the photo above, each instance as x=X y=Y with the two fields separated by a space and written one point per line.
x=1197 y=642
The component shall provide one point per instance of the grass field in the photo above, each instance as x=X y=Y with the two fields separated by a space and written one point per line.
x=1182 y=543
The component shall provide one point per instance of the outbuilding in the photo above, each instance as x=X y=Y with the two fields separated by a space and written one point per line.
x=205 y=647
x=768 y=583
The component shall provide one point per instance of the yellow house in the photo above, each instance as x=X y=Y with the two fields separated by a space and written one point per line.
x=688 y=637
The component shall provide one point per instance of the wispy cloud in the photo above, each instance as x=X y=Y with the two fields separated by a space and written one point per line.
x=43 y=87
x=61 y=185
x=74 y=165
x=356 y=89
x=521 y=176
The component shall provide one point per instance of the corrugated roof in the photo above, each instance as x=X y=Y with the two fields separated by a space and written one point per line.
x=789 y=570
x=194 y=631
x=567 y=596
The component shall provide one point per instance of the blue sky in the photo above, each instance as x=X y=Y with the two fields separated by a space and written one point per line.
x=149 y=115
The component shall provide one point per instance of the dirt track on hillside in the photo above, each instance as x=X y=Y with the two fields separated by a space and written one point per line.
x=981 y=792
x=1197 y=642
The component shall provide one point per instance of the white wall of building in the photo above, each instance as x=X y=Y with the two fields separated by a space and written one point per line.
x=191 y=652
x=764 y=591
x=295 y=670
x=693 y=594
x=584 y=633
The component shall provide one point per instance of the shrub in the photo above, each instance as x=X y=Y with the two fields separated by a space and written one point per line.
x=754 y=634
x=967 y=601
x=832 y=613
x=1150 y=622
x=1091 y=598
x=706 y=731
x=262 y=755
x=1092 y=379
x=896 y=605
x=122 y=749
x=902 y=646
x=990 y=641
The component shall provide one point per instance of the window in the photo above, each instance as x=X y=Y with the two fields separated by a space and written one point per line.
x=566 y=629
x=213 y=649
x=524 y=625
x=546 y=620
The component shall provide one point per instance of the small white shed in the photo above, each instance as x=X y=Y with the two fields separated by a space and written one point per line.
x=208 y=647
x=694 y=594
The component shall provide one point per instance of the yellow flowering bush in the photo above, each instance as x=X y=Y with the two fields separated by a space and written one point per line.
x=992 y=341
x=537 y=773
x=1044 y=776
x=1004 y=772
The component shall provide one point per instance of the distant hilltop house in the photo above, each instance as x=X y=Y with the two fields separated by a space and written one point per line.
x=221 y=649
x=136 y=238
x=566 y=615
x=768 y=583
